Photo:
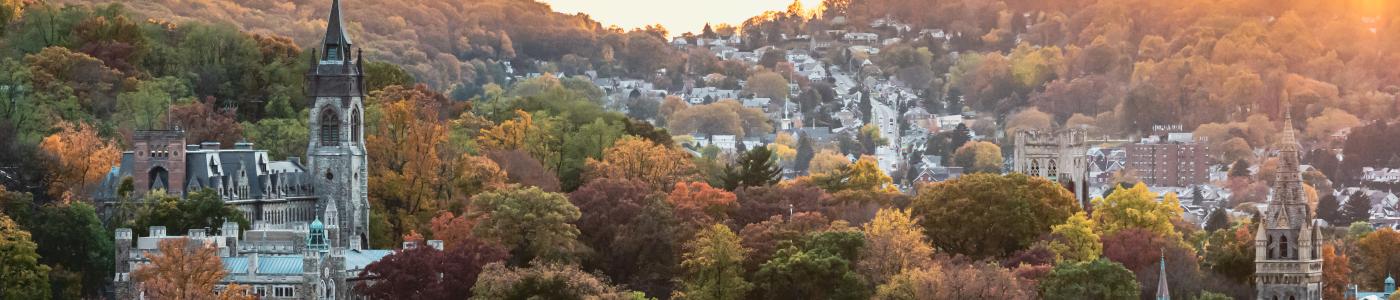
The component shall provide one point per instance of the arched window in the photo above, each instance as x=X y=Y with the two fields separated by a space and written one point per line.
x=1283 y=246
x=1035 y=167
x=1054 y=168
x=355 y=127
x=1270 y=253
x=330 y=128
x=159 y=179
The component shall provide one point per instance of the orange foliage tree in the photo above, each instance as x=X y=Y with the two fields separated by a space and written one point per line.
x=408 y=172
x=451 y=229
x=698 y=203
x=185 y=270
x=635 y=158
x=80 y=158
x=1335 y=271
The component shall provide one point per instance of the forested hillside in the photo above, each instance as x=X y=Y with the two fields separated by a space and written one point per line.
x=443 y=43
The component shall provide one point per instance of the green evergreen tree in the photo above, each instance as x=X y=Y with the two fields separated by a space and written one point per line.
x=1197 y=198
x=1217 y=220
x=1357 y=209
x=805 y=153
x=1239 y=169
x=756 y=167
x=1329 y=210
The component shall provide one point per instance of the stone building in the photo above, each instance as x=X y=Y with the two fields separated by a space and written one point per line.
x=310 y=220
x=1170 y=159
x=1061 y=156
x=1286 y=260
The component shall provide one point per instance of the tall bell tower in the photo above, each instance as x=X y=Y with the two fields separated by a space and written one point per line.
x=336 y=150
x=1286 y=261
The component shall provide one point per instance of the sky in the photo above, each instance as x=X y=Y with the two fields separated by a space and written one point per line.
x=678 y=16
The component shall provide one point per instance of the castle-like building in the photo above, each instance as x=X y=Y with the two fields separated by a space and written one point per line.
x=1059 y=155
x=310 y=220
x=1286 y=261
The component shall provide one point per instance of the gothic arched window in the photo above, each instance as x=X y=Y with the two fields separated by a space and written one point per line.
x=1054 y=168
x=1283 y=246
x=330 y=128
x=1270 y=253
x=355 y=127
x=1035 y=167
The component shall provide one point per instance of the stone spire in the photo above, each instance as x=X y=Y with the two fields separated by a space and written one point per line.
x=1163 y=293
x=337 y=42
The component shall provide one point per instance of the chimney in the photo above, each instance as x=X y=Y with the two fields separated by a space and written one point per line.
x=191 y=147
x=243 y=146
x=198 y=233
x=253 y=264
x=436 y=244
x=124 y=234
x=209 y=146
x=157 y=231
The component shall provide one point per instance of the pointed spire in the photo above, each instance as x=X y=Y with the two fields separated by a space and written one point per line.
x=1163 y=293
x=337 y=42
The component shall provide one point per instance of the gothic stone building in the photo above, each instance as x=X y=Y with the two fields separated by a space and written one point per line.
x=320 y=205
x=1060 y=156
x=1286 y=261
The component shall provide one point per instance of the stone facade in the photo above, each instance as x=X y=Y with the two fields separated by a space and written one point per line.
x=1061 y=156
x=1286 y=261
x=310 y=221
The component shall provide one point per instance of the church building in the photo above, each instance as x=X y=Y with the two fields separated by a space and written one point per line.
x=1286 y=261
x=310 y=220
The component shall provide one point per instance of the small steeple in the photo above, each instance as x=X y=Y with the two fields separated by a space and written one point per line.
x=337 y=41
x=1163 y=293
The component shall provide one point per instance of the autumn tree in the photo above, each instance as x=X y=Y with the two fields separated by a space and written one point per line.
x=1336 y=272
x=948 y=281
x=1075 y=240
x=79 y=157
x=200 y=209
x=979 y=156
x=1097 y=279
x=713 y=266
x=894 y=243
x=205 y=121
x=406 y=139
x=21 y=277
x=429 y=273
x=767 y=84
x=1378 y=257
x=699 y=204
x=530 y=222
x=183 y=269
x=542 y=281
x=954 y=213
x=826 y=160
x=1136 y=207
x=634 y=229
x=660 y=166
x=451 y=229
x=760 y=203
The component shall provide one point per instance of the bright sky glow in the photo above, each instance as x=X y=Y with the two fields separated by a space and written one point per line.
x=678 y=16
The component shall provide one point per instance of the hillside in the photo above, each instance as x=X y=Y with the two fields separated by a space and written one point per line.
x=435 y=39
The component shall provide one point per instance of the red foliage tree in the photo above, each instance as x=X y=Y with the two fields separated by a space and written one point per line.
x=204 y=122
x=427 y=273
x=761 y=202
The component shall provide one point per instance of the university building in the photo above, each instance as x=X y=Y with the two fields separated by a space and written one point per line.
x=1287 y=264
x=1059 y=155
x=310 y=219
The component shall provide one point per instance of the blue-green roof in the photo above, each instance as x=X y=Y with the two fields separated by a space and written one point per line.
x=267 y=265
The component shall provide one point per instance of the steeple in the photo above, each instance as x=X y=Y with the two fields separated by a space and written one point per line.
x=337 y=42
x=1163 y=293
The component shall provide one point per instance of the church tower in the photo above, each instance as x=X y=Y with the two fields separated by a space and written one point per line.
x=336 y=150
x=1286 y=261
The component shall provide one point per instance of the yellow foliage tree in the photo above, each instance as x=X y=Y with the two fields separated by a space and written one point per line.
x=894 y=243
x=408 y=173
x=521 y=133
x=636 y=158
x=827 y=160
x=1136 y=207
x=1075 y=240
x=80 y=157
